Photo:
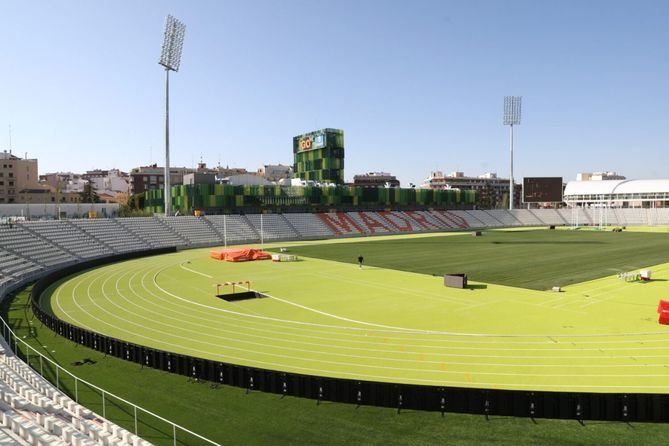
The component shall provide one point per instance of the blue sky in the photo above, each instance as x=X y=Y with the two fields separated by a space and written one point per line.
x=416 y=85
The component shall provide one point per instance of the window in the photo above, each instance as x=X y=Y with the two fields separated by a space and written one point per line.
x=2 y=183
x=11 y=174
x=11 y=183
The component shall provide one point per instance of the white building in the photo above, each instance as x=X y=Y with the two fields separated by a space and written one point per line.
x=275 y=172
x=599 y=176
x=246 y=179
x=112 y=183
x=75 y=186
x=617 y=193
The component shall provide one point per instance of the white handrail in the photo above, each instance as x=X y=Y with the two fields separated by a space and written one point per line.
x=8 y=333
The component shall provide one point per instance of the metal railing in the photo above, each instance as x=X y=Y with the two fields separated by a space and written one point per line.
x=13 y=340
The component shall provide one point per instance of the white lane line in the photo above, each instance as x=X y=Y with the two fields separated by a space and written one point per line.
x=512 y=374
x=181 y=265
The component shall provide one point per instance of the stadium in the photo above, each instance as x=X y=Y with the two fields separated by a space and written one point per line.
x=312 y=323
x=289 y=304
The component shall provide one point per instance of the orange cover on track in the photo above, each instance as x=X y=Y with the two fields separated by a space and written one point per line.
x=240 y=255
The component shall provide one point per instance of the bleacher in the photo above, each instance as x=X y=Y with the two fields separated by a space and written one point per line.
x=549 y=217
x=15 y=266
x=525 y=218
x=195 y=230
x=657 y=216
x=274 y=227
x=112 y=234
x=149 y=229
x=34 y=412
x=472 y=221
x=31 y=247
x=233 y=228
x=506 y=217
x=308 y=226
x=634 y=216
x=487 y=220
x=68 y=237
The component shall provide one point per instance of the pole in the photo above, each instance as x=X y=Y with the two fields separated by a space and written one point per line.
x=261 y=232
x=511 y=179
x=225 y=232
x=168 y=201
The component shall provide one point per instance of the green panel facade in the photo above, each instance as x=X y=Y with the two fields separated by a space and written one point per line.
x=225 y=198
x=319 y=156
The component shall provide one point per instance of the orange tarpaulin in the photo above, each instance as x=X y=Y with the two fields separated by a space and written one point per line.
x=240 y=255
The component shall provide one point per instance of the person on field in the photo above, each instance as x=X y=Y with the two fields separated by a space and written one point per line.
x=360 y=259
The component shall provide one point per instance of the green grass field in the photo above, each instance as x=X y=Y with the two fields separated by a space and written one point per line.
x=536 y=259
x=393 y=321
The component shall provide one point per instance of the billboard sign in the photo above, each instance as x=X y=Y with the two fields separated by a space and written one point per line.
x=542 y=189
x=309 y=142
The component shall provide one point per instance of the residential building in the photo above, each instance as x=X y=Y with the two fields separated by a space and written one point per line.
x=275 y=172
x=111 y=185
x=152 y=177
x=376 y=179
x=599 y=176
x=492 y=192
x=16 y=174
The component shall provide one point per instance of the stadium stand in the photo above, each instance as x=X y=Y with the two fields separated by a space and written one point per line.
x=308 y=226
x=657 y=216
x=112 y=234
x=34 y=412
x=471 y=220
x=487 y=220
x=583 y=217
x=151 y=231
x=194 y=230
x=274 y=227
x=233 y=228
x=31 y=247
x=11 y=265
x=545 y=216
x=68 y=237
x=507 y=218
x=525 y=218
x=633 y=216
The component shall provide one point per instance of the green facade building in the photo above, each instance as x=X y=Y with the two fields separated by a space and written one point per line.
x=319 y=156
x=219 y=199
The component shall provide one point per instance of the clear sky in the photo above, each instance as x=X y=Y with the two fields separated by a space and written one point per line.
x=416 y=85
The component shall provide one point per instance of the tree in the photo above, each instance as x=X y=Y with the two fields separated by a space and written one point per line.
x=89 y=195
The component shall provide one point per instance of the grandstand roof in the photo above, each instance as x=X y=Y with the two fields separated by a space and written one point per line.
x=610 y=187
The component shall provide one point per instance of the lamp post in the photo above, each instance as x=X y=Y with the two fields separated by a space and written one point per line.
x=512 y=108
x=170 y=58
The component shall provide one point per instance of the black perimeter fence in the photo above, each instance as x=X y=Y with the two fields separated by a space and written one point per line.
x=489 y=402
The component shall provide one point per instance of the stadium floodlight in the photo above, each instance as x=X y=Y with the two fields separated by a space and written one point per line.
x=170 y=58
x=512 y=108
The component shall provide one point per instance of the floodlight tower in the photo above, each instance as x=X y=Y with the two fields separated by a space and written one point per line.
x=512 y=106
x=170 y=58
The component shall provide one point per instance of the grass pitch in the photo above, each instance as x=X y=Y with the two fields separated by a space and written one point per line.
x=390 y=322
x=536 y=259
